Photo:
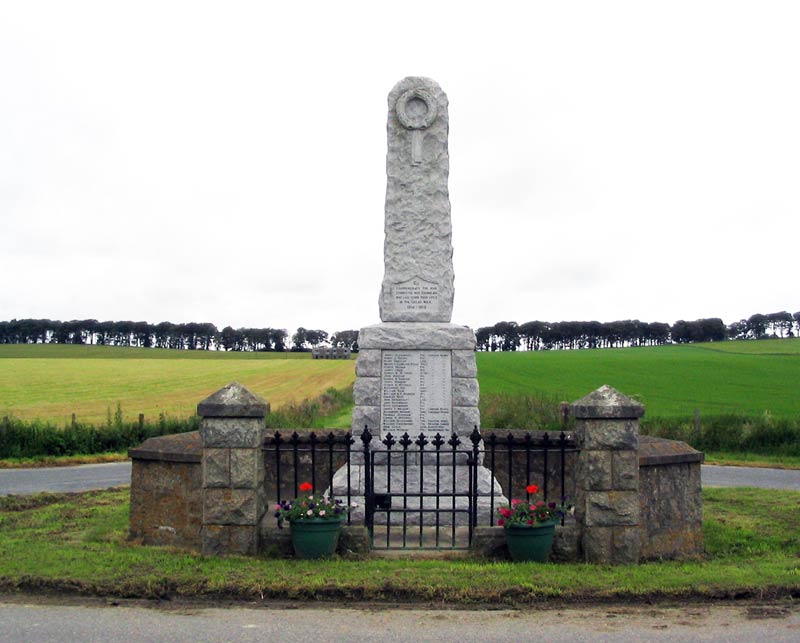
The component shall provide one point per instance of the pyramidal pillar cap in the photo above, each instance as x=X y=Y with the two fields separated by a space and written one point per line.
x=606 y=403
x=233 y=401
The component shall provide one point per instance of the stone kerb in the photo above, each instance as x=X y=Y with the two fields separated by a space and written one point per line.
x=231 y=433
x=607 y=477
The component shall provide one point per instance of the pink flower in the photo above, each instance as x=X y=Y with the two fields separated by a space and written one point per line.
x=515 y=502
x=310 y=512
x=501 y=522
x=539 y=504
x=322 y=513
x=505 y=512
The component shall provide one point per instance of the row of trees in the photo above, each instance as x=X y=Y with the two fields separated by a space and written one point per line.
x=503 y=336
x=191 y=336
x=538 y=335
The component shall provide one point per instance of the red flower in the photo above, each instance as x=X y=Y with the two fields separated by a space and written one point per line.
x=306 y=486
x=515 y=502
x=540 y=504
x=532 y=488
x=500 y=522
x=530 y=522
x=505 y=512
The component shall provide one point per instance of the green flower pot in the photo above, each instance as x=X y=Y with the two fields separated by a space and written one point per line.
x=315 y=538
x=530 y=542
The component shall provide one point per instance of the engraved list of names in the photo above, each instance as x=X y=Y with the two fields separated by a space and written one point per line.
x=416 y=392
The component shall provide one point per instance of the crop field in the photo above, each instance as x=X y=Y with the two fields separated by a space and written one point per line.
x=54 y=381
x=747 y=378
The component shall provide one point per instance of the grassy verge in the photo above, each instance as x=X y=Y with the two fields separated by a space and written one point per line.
x=77 y=544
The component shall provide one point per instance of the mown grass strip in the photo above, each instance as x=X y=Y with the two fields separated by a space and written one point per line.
x=77 y=544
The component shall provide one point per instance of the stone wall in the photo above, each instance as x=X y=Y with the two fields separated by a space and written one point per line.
x=166 y=491
x=166 y=495
x=671 y=502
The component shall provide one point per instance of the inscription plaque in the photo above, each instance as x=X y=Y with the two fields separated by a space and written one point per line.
x=416 y=295
x=416 y=393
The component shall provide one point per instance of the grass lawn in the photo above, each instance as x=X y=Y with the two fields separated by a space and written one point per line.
x=77 y=544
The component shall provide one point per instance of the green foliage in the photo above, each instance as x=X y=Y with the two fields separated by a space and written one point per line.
x=733 y=433
x=20 y=439
x=534 y=411
x=312 y=413
x=310 y=506
x=529 y=511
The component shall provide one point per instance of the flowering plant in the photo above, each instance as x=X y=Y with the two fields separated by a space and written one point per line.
x=530 y=512
x=310 y=507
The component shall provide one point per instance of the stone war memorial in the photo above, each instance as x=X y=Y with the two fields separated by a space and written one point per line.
x=422 y=471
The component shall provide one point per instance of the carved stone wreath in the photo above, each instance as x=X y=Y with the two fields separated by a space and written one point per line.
x=416 y=121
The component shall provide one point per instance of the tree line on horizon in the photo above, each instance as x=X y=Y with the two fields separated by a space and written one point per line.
x=572 y=335
x=502 y=336
x=189 y=336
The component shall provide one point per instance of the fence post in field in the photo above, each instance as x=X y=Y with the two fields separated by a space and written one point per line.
x=234 y=498
x=607 y=477
x=74 y=421
x=141 y=423
x=696 y=426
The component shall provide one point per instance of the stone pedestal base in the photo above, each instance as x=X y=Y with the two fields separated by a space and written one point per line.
x=422 y=480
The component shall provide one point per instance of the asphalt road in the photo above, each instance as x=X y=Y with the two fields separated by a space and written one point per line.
x=715 y=476
x=63 y=479
x=114 y=474
x=23 y=623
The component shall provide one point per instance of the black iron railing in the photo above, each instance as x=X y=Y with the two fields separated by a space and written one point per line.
x=423 y=492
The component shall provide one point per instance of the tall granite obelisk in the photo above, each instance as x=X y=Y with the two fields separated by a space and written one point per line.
x=416 y=371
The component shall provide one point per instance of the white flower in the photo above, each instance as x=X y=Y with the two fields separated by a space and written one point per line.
x=354 y=505
x=322 y=513
x=310 y=512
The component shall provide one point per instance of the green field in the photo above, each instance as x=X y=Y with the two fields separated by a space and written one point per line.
x=747 y=378
x=53 y=381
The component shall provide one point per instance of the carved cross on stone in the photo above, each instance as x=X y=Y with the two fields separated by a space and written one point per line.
x=418 y=252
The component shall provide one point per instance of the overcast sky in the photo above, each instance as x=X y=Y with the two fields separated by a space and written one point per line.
x=225 y=162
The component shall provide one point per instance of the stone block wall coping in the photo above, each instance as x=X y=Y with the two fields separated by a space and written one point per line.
x=416 y=335
x=185 y=447
x=233 y=401
x=606 y=403
x=181 y=447
x=659 y=451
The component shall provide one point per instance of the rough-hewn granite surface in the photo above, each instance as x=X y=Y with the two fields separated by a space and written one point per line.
x=418 y=251
x=671 y=503
x=166 y=491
